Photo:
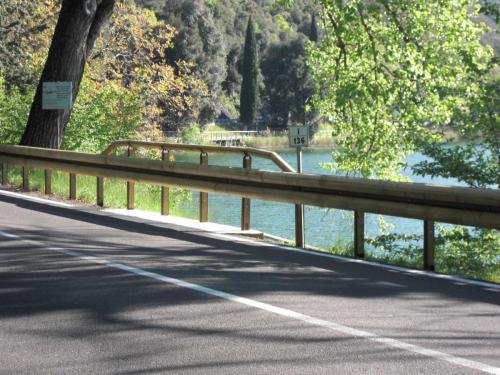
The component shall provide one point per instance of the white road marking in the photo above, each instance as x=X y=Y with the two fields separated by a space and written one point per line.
x=435 y=275
x=182 y=222
x=35 y=199
x=273 y=309
x=212 y=230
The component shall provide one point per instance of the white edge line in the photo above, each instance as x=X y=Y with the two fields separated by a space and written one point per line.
x=455 y=279
x=339 y=258
x=233 y=238
x=36 y=199
x=401 y=345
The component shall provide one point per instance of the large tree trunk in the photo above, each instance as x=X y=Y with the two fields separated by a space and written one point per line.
x=76 y=31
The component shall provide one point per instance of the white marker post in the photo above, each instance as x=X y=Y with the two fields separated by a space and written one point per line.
x=298 y=137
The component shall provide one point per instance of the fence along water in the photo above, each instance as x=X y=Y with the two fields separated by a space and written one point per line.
x=448 y=204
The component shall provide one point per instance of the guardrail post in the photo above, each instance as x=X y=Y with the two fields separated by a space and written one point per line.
x=130 y=185
x=165 y=191
x=359 y=234
x=72 y=186
x=245 y=202
x=299 y=225
x=48 y=181
x=203 y=196
x=299 y=209
x=26 y=181
x=100 y=191
x=429 y=242
x=5 y=173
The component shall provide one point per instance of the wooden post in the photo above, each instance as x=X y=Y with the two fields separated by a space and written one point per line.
x=359 y=234
x=72 y=186
x=299 y=225
x=245 y=202
x=165 y=191
x=100 y=191
x=48 y=181
x=203 y=196
x=26 y=181
x=5 y=173
x=130 y=185
x=429 y=242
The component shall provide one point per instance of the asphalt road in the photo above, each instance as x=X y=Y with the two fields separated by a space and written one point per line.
x=84 y=292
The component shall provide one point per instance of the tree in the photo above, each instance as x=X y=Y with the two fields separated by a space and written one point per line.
x=25 y=28
x=249 y=91
x=475 y=160
x=200 y=42
x=128 y=88
x=313 y=33
x=288 y=84
x=134 y=52
x=392 y=73
x=77 y=29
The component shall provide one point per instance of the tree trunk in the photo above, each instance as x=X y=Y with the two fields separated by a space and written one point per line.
x=76 y=31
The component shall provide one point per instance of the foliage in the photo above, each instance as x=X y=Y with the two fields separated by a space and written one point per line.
x=134 y=53
x=102 y=115
x=26 y=28
x=397 y=245
x=199 y=41
x=219 y=63
x=464 y=251
x=391 y=72
x=476 y=161
x=191 y=135
x=473 y=164
x=288 y=82
x=249 y=97
x=469 y=252
x=14 y=108
x=130 y=90
x=491 y=8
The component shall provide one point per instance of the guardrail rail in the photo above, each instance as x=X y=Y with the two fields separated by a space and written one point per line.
x=430 y=203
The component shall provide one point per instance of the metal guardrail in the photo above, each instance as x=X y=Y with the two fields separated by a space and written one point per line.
x=204 y=150
x=449 y=204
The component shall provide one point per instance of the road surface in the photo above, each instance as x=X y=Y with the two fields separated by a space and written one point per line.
x=87 y=292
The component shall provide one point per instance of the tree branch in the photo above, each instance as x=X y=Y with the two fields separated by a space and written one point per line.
x=371 y=38
x=394 y=16
x=102 y=14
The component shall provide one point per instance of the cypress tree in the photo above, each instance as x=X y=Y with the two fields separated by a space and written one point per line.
x=313 y=34
x=249 y=91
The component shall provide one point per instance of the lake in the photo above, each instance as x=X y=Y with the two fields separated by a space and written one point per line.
x=323 y=227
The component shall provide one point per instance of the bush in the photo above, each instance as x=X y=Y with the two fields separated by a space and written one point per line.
x=101 y=115
x=14 y=110
x=464 y=251
x=191 y=135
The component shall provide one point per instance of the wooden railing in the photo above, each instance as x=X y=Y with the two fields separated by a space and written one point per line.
x=448 y=204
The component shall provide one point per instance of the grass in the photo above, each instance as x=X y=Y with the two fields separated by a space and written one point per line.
x=267 y=142
x=147 y=197
x=489 y=273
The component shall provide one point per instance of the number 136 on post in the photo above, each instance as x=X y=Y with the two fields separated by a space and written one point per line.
x=298 y=136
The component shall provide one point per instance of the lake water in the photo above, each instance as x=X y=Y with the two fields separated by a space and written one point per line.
x=323 y=227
